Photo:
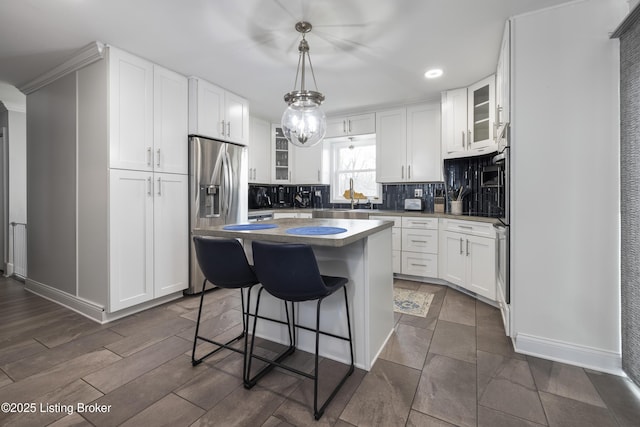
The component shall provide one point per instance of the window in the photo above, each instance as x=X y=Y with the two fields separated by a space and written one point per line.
x=354 y=159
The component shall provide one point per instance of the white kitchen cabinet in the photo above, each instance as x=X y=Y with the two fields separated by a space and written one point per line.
x=420 y=246
x=503 y=82
x=470 y=131
x=468 y=256
x=408 y=144
x=130 y=238
x=130 y=111
x=311 y=165
x=282 y=157
x=360 y=124
x=217 y=113
x=170 y=121
x=259 y=151
x=170 y=234
x=396 y=240
x=148 y=236
x=147 y=115
x=280 y=215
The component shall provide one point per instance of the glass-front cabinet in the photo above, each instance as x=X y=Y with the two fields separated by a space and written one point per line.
x=480 y=115
x=282 y=156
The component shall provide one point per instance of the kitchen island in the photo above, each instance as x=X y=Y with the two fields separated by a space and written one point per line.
x=362 y=253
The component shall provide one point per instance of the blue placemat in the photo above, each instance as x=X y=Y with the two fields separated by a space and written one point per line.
x=315 y=231
x=242 y=227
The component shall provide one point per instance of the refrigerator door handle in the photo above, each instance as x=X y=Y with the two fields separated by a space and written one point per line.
x=229 y=176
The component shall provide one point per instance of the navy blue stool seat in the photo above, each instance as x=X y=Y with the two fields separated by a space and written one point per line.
x=224 y=264
x=290 y=272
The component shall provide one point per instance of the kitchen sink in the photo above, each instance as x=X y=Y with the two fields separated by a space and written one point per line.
x=341 y=213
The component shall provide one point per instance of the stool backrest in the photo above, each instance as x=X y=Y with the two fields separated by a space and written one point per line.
x=223 y=262
x=288 y=271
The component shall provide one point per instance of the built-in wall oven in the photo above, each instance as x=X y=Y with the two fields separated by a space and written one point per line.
x=502 y=159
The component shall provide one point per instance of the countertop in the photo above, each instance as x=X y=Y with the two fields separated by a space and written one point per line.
x=356 y=230
x=382 y=212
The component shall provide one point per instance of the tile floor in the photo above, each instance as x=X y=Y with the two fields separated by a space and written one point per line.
x=454 y=367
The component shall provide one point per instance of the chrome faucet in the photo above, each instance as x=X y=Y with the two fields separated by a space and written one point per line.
x=351 y=191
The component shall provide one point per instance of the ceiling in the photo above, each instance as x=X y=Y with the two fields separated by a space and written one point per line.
x=365 y=53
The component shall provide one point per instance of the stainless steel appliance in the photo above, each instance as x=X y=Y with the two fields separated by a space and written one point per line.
x=503 y=231
x=218 y=184
x=413 y=204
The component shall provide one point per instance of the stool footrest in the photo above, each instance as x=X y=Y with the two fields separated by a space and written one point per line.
x=226 y=345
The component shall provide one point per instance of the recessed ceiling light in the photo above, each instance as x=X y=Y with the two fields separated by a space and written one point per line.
x=433 y=73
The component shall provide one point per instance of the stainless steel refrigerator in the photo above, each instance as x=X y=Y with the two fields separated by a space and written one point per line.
x=218 y=186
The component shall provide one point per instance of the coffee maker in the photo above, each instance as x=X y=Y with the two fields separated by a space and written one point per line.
x=259 y=198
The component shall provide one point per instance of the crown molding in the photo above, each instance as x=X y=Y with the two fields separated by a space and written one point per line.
x=83 y=57
x=627 y=23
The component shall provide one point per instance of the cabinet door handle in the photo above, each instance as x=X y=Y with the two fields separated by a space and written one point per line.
x=467 y=247
x=409 y=172
x=159 y=186
x=149 y=156
x=254 y=173
x=229 y=129
x=222 y=131
x=289 y=176
x=349 y=126
x=158 y=158
x=344 y=126
x=469 y=139
x=149 y=190
x=461 y=246
x=402 y=173
x=464 y=144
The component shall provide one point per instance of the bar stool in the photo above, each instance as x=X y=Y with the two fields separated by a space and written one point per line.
x=224 y=264
x=290 y=272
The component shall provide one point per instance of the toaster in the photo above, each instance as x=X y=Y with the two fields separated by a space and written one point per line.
x=413 y=204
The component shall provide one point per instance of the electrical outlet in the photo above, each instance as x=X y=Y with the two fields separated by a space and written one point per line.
x=417 y=192
x=318 y=193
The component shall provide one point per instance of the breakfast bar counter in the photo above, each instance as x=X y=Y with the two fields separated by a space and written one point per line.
x=361 y=253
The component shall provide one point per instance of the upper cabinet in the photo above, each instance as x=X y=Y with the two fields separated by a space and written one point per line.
x=468 y=116
x=311 y=165
x=130 y=111
x=360 y=124
x=216 y=113
x=503 y=82
x=259 y=151
x=281 y=159
x=408 y=144
x=147 y=115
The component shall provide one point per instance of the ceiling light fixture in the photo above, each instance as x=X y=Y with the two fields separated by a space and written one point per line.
x=433 y=73
x=303 y=122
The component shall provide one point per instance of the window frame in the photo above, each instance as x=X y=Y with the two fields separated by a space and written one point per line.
x=334 y=146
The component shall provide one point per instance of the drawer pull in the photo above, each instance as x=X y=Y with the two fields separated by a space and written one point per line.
x=418 y=265
x=468 y=227
x=419 y=241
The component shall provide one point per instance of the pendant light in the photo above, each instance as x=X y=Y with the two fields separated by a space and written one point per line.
x=303 y=122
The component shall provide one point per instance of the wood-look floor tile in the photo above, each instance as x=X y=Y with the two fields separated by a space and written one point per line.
x=447 y=390
x=171 y=411
x=65 y=331
x=44 y=360
x=147 y=337
x=565 y=412
x=276 y=422
x=74 y=420
x=125 y=370
x=20 y=350
x=209 y=387
x=384 y=396
x=459 y=308
x=491 y=418
x=58 y=376
x=193 y=301
x=247 y=407
x=407 y=346
x=298 y=408
x=418 y=419
x=564 y=380
x=55 y=405
x=454 y=340
x=213 y=327
x=142 y=392
x=620 y=395
x=4 y=379
x=214 y=308
x=140 y=322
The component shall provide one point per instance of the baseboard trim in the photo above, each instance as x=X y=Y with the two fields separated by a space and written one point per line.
x=88 y=309
x=85 y=308
x=572 y=354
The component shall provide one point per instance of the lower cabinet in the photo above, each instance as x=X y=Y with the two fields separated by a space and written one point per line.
x=420 y=246
x=396 y=240
x=149 y=236
x=468 y=256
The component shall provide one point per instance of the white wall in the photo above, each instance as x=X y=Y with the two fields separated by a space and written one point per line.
x=565 y=157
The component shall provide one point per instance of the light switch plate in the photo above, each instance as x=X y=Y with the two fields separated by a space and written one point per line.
x=417 y=192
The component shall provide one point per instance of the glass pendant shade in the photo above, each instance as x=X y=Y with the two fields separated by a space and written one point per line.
x=303 y=122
